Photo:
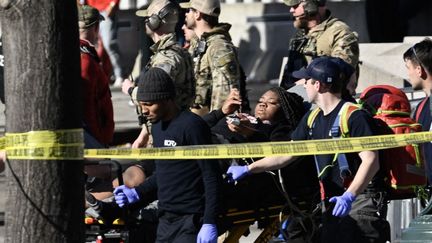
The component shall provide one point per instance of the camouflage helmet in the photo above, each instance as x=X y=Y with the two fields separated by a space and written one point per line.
x=295 y=2
x=310 y=6
x=292 y=2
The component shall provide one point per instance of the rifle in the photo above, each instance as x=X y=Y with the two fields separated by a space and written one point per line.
x=296 y=60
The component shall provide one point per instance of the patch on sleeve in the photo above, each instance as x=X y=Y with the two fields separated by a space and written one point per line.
x=168 y=68
x=225 y=59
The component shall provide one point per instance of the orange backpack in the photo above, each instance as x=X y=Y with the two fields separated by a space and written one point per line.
x=403 y=166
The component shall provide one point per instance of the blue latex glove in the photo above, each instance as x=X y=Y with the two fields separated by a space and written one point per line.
x=207 y=234
x=236 y=172
x=343 y=204
x=124 y=195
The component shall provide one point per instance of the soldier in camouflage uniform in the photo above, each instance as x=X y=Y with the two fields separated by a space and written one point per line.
x=217 y=69
x=320 y=34
x=161 y=18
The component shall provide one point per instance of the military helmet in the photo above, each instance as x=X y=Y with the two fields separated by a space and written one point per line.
x=310 y=6
x=292 y=2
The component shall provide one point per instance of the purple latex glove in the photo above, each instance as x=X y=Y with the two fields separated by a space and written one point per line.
x=236 y=172
x=343 y=204
x=207 y=234
x=124 y=195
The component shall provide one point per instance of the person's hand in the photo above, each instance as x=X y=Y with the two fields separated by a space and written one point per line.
x=232 y=102
x=207 y=234
x=245 y=128
x=142 y=140
x=236 y=172
x=343 y=204
x=126 y=85
x=124 y=195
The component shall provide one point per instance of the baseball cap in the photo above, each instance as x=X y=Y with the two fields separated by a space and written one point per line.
x=209 y=7
x=88 y=16
x=154 y=8
x=346 y=69
x=323 y=69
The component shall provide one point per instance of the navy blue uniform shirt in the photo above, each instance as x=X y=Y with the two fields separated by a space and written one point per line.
x=360 y=124
x=184 y=186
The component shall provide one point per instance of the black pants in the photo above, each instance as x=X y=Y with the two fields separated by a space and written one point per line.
x=178 y=228
x=305 y=228
x=365 y=223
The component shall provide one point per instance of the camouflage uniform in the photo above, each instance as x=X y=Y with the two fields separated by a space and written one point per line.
x=333 y=38
x=217 y=69
x=175 y=61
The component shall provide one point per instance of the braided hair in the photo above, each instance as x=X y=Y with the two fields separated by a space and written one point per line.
x=292 y=106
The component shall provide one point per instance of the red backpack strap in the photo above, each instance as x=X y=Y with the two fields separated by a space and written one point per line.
x=420 y=108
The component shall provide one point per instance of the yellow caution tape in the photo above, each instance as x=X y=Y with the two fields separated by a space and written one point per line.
x=44 y=145
x=251 y=150
x=68 y=145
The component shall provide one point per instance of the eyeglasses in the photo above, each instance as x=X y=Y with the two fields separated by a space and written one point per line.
x=415 y=55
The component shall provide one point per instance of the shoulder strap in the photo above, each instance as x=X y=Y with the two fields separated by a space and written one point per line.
x=345 y=113
x=312 y=115
x=420 y=108
x=340 y=129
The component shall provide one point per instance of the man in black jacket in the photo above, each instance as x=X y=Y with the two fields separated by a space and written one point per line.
x=187 y=189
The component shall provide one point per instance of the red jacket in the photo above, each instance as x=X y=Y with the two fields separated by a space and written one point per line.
x=101 y=5
x=98 y=108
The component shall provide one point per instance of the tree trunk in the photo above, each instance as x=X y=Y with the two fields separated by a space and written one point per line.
x=43 y=92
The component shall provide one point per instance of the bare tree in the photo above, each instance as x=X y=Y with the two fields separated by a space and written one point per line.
x=43 y=90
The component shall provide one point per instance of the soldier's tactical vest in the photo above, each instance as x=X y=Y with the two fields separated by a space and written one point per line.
x=206 y=65
x=320 y=41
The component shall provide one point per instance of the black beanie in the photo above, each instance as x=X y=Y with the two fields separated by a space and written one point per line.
x=155 y=85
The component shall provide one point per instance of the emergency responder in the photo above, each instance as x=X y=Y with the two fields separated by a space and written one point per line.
x=217 y=69
x=319 y=34
x=418 y=61
x=353 y=192
x=188 y=190
x=160 y=20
